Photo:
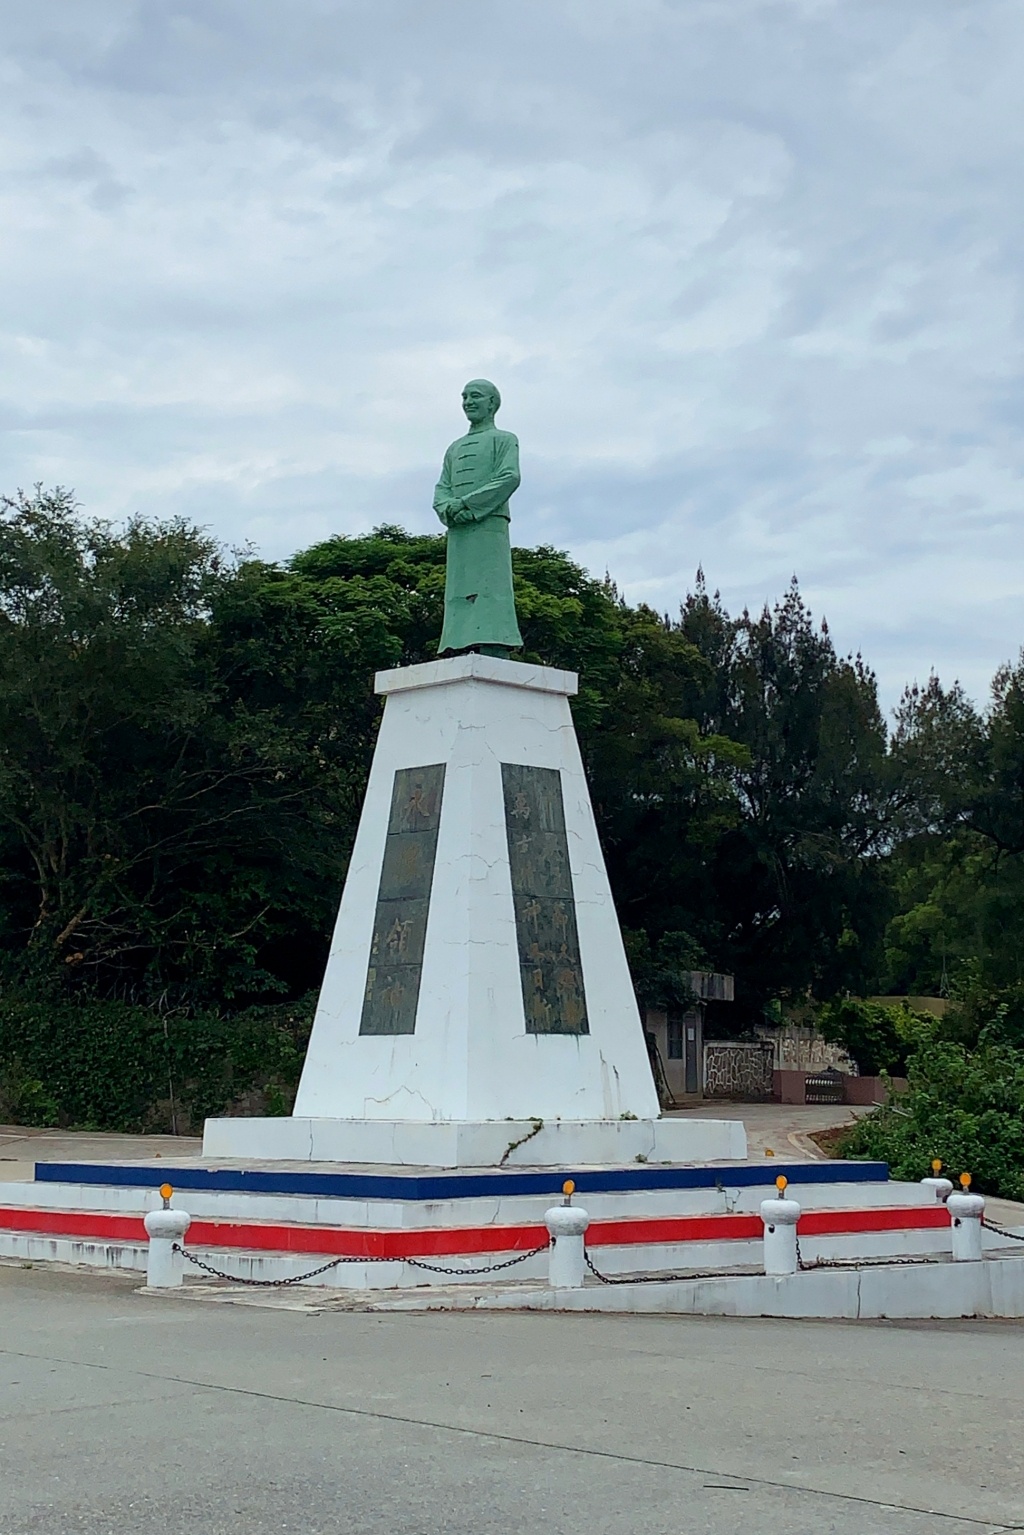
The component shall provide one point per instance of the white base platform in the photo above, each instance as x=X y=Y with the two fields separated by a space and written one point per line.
x=481 y=1143
x=991 y=1288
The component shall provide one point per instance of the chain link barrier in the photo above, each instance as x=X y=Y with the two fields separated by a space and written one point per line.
x=1014 y=1236
x=281 y=1284
x=491 y=1268
x=808 y=1265
x=805 y=1265
x=655 y=1278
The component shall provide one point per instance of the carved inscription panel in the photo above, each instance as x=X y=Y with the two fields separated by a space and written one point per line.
x=403 y=901
x=550 y=968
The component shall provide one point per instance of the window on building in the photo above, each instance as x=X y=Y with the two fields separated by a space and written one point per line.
x=675 y=1039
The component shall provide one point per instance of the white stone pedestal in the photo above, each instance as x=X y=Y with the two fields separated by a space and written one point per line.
x=453 y=1074
x=561 y=1143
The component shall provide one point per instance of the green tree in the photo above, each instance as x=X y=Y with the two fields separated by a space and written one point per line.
x=879 y=1037
x=957 y=874
x=664 y=790
x=158 y=826
x=798 y=881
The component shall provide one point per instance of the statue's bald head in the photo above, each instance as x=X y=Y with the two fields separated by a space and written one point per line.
x=480 y=399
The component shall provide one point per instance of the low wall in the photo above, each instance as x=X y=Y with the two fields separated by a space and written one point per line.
x=869 y=1090
x=790 y=1087
x=801 y=1047
x=738 y=1070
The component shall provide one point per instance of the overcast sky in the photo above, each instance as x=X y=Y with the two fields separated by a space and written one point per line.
x=746 y=271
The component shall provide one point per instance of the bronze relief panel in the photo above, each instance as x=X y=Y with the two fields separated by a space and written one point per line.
x=550 y=968
x=403 y=902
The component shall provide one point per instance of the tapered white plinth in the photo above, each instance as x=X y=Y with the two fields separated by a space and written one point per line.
x=471 y=1060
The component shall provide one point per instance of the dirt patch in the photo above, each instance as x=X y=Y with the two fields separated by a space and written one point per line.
x=830 y=1141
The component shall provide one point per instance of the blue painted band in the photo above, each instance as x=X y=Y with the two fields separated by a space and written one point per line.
x=436 y=1186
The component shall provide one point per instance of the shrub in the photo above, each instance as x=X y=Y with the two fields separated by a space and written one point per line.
x=108 y=1065
x=23 y=1099
x=878 y=1037
x=963 y=1105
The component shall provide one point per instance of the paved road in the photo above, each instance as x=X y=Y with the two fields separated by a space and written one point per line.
x=164 y=1416
x=781 y=1129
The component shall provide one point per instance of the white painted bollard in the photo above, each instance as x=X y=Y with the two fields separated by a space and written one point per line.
x=780 y=1218
x=567 y=1224
x=941 y=1187
x=164 y=1228
x=965 y=1212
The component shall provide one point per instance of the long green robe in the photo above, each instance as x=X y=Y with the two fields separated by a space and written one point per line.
x=482 y=470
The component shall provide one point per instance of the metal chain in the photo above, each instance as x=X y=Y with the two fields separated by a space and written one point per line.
x=653 y=1278
x=867 y=1263
x=268 y=1284
x=807 y=1265
x=1015 y=1236
x=492 y=1268
x=280 y=1284
x=588 y=1260
x=804 y=1265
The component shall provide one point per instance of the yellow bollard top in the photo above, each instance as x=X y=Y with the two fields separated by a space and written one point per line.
x=165 y=1193
x=782 y=1183
x=936 y=1165
x=568 y=1187
x=965 y=1180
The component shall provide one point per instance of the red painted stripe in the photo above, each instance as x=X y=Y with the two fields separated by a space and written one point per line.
x=674 y=1228
x=368 y=1244
x=76 y=1223
x=425 y=1243
x=726 y=1228
x=819 y=1223
x=263 y=1237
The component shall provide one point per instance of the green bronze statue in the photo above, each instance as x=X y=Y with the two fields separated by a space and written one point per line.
x=480 y=473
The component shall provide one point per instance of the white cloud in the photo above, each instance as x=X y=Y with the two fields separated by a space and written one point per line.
x=747 y=272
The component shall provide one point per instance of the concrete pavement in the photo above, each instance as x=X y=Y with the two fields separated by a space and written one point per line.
x=121 y=1412
x=21 y=1147
x=779 y=1128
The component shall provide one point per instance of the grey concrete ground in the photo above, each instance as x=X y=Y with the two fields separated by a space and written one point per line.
x=21 y=1147
x=781 y=1129
x=157 y=1416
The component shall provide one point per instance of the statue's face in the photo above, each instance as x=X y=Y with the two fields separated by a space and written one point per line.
x=477 y=402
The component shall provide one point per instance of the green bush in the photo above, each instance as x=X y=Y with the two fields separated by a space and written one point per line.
x=878 y=1037
x=965 y=1106
x=108 y=1065
x=23 y=1099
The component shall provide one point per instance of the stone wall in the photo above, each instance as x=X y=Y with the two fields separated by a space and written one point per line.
x=740 y=1071
x=799 y=1047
